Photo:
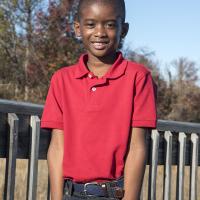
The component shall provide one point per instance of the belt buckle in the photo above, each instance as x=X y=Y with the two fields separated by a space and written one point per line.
x=85 y=187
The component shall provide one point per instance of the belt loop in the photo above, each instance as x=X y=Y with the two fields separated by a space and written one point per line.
x=109 y=190
x=68 y=187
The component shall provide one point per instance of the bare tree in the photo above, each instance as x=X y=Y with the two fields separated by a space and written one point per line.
x=186 y=93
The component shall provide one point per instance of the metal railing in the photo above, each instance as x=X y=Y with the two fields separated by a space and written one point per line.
x=172 y=143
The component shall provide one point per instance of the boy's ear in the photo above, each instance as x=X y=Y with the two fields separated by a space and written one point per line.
x=77 y=29
x=125 y=28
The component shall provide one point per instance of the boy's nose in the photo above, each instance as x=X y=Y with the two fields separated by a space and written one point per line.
x=100 y=31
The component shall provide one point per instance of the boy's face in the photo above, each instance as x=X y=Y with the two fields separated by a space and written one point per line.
x=101 y=29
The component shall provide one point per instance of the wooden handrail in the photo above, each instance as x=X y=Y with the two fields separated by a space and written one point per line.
x=9 y=106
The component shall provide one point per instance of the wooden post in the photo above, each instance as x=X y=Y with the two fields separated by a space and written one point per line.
x=153 y=166
x=168 y=163
x=48 y=190
x=194 y=167
x=13 y=122
x=33 y=162
x=142 y=191
x=181 y=166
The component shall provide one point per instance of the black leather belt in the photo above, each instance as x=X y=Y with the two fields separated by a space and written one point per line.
x=103 y=189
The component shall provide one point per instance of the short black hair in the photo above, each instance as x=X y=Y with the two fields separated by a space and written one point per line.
x=120 y=4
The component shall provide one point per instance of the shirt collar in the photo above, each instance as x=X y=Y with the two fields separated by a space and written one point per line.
x=115 y=71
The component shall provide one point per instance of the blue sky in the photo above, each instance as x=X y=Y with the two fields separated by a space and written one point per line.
x=169 y=28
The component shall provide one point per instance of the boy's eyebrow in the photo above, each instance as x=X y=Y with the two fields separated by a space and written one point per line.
x=90 y=19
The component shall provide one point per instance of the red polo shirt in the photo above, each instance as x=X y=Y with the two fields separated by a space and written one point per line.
x=97 y=114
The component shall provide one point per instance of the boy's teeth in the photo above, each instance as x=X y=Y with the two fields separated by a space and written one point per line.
x=98 y=44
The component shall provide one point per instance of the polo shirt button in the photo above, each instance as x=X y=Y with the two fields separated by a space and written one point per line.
x=94 y=89
x=90 y=75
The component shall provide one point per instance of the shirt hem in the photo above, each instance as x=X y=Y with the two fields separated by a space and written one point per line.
x=51 y=125
x=146 y=123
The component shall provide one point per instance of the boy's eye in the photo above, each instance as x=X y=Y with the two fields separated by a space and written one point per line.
x=111 y=25
x=89 y=24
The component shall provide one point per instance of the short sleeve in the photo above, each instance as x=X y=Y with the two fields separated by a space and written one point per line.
x=144 y=102
x=52 y=116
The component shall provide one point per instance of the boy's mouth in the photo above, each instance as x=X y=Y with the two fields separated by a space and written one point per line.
x=99 y=45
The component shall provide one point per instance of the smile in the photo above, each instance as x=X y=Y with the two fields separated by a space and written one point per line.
x=99 y=45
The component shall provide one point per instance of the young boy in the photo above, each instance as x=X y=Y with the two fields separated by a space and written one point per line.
x=99 y=110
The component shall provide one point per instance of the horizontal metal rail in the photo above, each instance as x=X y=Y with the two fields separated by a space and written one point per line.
x=8 y=106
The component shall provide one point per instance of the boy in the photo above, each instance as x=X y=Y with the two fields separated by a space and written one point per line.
x=99 y=110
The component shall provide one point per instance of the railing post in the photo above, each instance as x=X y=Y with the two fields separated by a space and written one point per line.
x=194 y=167
x=181 y=166
x=48 y=190
x=33 y=162
x=168 y=163
x=13 y=122
x=153 y=165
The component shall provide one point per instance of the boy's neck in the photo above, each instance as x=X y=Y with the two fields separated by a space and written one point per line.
x=96 y=62
x=100 y=66
x=98 y=69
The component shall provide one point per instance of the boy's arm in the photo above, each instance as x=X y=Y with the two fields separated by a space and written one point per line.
x=135 y=164
x=54 y=160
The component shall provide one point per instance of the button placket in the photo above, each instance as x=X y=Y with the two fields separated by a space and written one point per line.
x=94 y=100
x=96 y=82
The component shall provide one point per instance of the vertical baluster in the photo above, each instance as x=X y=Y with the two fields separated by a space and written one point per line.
x=153 y=166
x=194 y=167
x=168 y=163
x=181 y=166
x=142 y=191
x=33 y=162
x=48 y=190
x=13 y=122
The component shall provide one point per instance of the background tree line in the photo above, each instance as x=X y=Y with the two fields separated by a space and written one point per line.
x=37 y=38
